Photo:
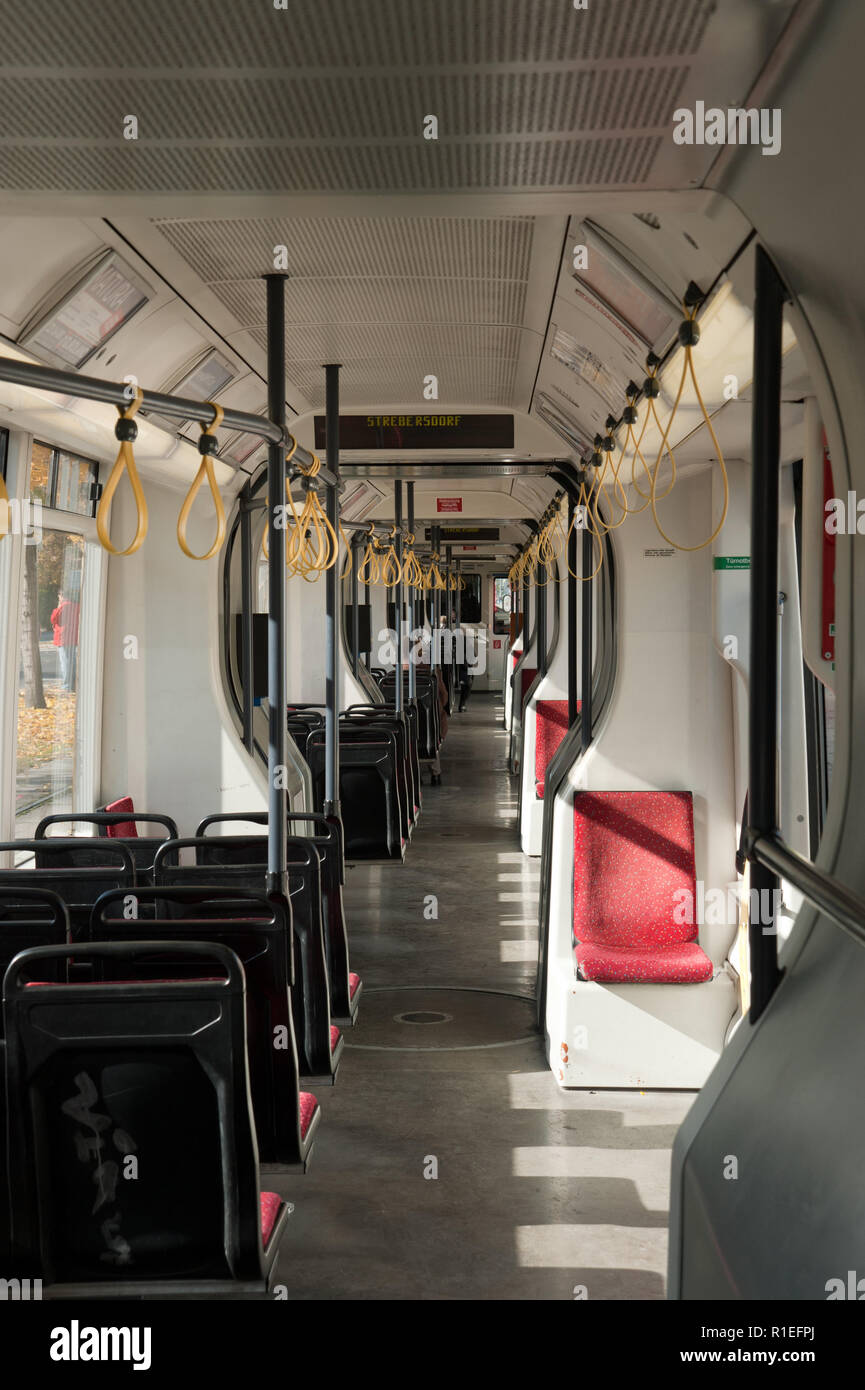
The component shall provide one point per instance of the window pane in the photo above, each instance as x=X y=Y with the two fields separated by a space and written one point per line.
x=48 y=679
x=502 y=608
x=40 y=474
x=75 y=478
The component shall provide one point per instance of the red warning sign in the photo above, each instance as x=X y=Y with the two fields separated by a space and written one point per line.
x=449 y=504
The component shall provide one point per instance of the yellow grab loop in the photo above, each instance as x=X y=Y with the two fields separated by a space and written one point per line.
x=205 y=470
x=127 y=432
x=688 y=335
x=583 y=521
x=368 y=569
x=635 y=442
x=348 y=552
x=312 y=545
x=601 y=491
x=4 y=510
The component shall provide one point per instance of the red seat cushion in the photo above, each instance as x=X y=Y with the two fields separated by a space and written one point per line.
x=633 y=876
x=353 y=982
x=270 y=1204
x=334 y=1037
x=551 y=725
x=686 y=963
x=528 y=674
x=308 y=1105
x=125 y=829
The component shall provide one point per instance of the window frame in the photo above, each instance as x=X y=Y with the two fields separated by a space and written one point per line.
x=91 y=652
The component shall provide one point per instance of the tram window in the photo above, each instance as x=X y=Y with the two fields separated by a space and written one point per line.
x=501 y=604
x=48 y=678
x=63 y=481
x=829 y=732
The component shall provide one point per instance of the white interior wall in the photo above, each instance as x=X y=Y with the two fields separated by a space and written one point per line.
x=168 y=740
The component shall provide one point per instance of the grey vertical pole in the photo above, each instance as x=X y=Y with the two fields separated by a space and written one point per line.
x=412 y=610
x=331 y=641
x=246 y=606
x=436 y=604
x=458 y=592
x=368 y=602
x=397 y=596
x=277 y=744
x=355 y=614
x=572 y=613
x=586 y=641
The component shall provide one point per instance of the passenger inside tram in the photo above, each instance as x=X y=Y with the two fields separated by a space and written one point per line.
x=431 y=812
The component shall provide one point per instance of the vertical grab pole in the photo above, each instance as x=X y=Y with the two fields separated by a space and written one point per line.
x=277 y=745
x=572 y=614
x=769 y=298
x=541 y=596
x=587 y=616
x=397 y=596
x=412 y=673
x=246 y=653
x=331 y=642
x=355 y=613
x=436 y=601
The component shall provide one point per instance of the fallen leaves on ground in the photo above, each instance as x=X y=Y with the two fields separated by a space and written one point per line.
x=44 y=734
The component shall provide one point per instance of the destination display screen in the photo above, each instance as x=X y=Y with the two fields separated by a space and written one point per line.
x=432 y=431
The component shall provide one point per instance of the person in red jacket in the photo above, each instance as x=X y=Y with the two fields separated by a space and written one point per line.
x=64 y=621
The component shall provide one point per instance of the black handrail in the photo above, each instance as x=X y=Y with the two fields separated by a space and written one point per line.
x=34 y=374
x=846 y=908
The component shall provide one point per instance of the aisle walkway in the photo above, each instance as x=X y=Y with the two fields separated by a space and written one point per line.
x=537 y=1192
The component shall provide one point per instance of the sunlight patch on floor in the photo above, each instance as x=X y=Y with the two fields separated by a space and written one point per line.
x=592 y=1247
x=647 y=1169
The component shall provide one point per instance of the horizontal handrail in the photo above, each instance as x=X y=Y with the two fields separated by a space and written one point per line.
x=34 y=374
x=846 y=909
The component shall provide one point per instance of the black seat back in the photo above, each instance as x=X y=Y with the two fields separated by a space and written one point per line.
x=31 y=917
x=240 y=864
x=326 y=835
x=368 y=789
x=257 y=930
x=134 y=1157
x=142 y=848
x=77 y=870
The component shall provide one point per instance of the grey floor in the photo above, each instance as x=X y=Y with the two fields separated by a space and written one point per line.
x=538 y=1193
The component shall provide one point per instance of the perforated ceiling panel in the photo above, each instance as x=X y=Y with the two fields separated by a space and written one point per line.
x=332 y=95
x=393 y=300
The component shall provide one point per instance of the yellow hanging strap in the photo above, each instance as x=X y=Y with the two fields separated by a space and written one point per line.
x=630 y=417
x=367 y=570
x=126 y=431
x=583 y=520
x=4 y=510
x=606 y=447
x=313 y=545
x=207 y=446
x=689 y=336
x=391 y=569
x=412 y=573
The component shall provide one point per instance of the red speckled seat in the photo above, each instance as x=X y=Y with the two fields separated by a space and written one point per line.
x=308 y=1106
x=270 y=1204
x=528 y=674
x=633 y=868
x=353 y=982
x=551 y=725
x=334 y=1037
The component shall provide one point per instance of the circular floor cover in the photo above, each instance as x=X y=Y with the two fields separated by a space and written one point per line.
x=440 y=1019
